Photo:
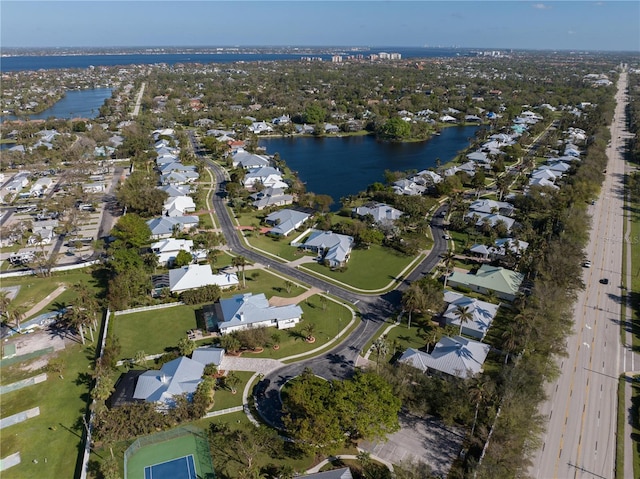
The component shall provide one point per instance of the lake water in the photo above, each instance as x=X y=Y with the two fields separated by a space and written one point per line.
x=339 y=167
x=75 y=104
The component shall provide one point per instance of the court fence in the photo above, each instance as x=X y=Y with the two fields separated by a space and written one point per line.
x=203 y=455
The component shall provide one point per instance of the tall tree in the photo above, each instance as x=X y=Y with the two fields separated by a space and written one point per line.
x=413 y=299
x=464 y=315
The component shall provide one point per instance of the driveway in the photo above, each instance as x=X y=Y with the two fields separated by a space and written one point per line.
x=424 y=440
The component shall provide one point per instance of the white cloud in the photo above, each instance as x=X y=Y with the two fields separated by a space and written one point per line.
x=571 y=32
x=541 y=6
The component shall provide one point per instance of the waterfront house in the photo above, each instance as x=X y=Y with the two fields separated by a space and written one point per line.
x=243 y=159
x=381 y=213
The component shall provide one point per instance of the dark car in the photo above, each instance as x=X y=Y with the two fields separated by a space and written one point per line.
x=604 y=280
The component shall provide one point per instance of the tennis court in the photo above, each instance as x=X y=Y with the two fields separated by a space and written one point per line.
x=181 y=468
x=181 y=453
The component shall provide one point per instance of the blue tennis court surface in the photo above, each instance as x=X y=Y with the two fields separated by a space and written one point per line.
x=181 y=468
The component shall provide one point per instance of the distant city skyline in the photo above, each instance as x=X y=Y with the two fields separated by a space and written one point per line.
x=532 y=25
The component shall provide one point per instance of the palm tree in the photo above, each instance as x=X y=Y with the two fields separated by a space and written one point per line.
x=413 y=299
x=479 y=391
x=448 y=260
x=15 y=313
x=464 y=315
x=381 y=347
x=308 y=331
x=239 y=262
x=232 y=380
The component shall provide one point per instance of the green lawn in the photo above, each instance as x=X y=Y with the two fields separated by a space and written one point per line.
x=155 y=331
x=223 y=398
x=33 y=289
x=371 y=269
x=53 y=437
x=277 y=246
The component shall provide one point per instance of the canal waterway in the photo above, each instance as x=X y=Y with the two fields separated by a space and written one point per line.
x=344 y=166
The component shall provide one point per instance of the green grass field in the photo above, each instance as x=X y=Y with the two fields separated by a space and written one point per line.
x=53 y=438
x=372 y=269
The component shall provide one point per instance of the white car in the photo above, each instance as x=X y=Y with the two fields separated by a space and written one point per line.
x=587 y=264
x=446 y=236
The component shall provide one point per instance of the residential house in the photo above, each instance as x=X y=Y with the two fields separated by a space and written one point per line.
x=266 y=175
x=175 y=378
x=285 y=221
x=178 y=206
x=243 y=159
x=208 y=355
x=491 y=206
x=248 y=310
x=342 y=473
x=175 y=190
x=165 y=226
x=381 y=213
x=167 y=249
x=194 y=276
x=505 y=283
x=456 y=356
x=179 y=178
x=269 y=197
x=482 y=314
x=40 y=187
x=331 y=247
x=408 y=187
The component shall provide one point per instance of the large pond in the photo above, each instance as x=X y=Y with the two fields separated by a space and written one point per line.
x=339 y=167
x=75 y=104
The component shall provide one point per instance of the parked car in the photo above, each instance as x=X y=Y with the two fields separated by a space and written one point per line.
x=586 y=264
x=604 y=280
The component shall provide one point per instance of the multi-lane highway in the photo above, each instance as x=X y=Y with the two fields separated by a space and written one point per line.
x=580 y=440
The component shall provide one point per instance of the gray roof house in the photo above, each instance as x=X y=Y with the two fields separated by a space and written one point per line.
x=180 y=376
x=481 y=311
x=247 y=310
x=342 y=473
x=285 y=221
x=243 y=159
x=504 y=282
x=165 y=226
x=271 y=197
x=381 y=212
x=491 y=206
x=331 y=247
x=456 y=356
x=208 y=355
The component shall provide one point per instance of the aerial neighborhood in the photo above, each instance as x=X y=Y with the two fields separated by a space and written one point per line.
x=164 y=269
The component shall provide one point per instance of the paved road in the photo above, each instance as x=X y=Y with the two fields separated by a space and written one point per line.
x=374 y=309
x=581 y=436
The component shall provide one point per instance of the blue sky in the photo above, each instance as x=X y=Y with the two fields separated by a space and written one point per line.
x=519 y=24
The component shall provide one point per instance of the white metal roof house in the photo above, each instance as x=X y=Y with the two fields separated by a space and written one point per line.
x=456 y=356
x=243 y=159
x=331 y=247
x=247 y=310
x=285 y=221
x=178 y=206
x=381 y=213
x=167 y=249
x=180 y=376
x=165 y=226
x=267 y=175
x=198 y=275
x=271 y=197
x=482 y=313
x=208 y=355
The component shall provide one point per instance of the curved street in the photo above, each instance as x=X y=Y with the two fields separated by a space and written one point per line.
x=338 y=362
